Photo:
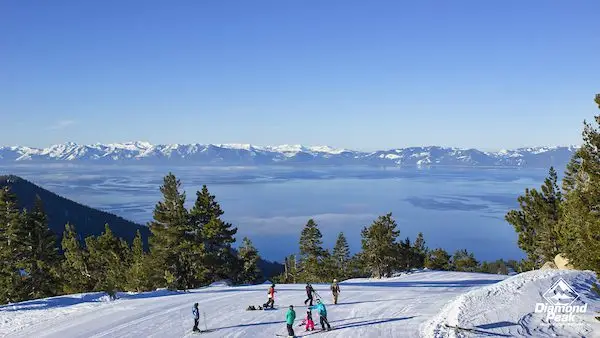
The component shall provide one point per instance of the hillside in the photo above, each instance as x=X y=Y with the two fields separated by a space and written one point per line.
x=88 y=221
x=404 y=306
x=296 y=155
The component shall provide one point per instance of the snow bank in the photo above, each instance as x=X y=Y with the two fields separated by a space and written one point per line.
x=508 y=309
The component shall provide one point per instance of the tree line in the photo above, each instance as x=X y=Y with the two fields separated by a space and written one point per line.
x=564 y=217
x=187 y=249
x=382 y=254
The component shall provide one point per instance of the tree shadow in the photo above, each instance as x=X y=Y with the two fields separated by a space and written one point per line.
x=482 y=332
x=496 y=325
x=272 y=322
x=371 y=322
x=371 y=301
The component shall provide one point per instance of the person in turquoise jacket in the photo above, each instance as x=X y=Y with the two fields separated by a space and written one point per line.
x=290 y=316
x=322 y=310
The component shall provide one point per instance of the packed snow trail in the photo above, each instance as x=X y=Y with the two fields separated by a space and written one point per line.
x=392 y=307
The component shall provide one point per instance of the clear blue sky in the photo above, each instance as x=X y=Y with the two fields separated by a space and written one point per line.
x=355 y=74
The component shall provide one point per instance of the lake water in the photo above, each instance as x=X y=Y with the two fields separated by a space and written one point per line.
x=454 y=208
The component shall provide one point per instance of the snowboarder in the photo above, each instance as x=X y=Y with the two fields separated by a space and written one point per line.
x=271 y=295
x=335 y=290
x=322 y=314
x=196 y=314
x=309 y=294
x=290 y=316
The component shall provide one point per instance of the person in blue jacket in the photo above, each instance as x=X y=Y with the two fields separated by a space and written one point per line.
x=196 y=314
x=320 y=307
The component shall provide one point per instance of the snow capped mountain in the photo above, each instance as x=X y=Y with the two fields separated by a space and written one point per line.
x=247 y=154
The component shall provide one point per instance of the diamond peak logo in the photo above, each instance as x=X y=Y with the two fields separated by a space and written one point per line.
x=561 y=294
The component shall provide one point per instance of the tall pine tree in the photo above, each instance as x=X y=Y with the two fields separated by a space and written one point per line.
x=11 y=258
x=312 y=254
x=248 y=255
x=419 y=252
x=76 y=274
x=137 y=274
x=380 y=246
x=341 y=256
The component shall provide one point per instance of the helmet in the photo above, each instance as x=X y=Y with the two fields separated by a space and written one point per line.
x=318 y=300
x=195 y=304
x=334 y=280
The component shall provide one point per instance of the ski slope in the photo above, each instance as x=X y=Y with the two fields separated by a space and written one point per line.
x=403 y=306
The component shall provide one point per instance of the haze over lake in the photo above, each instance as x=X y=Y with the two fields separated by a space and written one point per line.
x=455 y=208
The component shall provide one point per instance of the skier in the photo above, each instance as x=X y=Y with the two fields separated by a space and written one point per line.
x=335 y=290
x=290 y=316
x=196 y=314
x=322 y=314
x=271 y=295
x=308 y=321
x=309 y=294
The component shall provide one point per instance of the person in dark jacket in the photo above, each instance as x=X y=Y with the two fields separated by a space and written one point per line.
x=196 y=314
x=309 y=294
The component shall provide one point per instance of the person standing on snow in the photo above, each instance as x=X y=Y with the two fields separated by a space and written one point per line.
x=322 y=314
x=196 y=314
x=335 y=290
x=290 y=316
x=271 y=295
x=309 y=294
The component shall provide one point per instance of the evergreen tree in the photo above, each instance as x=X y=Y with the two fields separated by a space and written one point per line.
x=538 y=221
x=581 y=221
x=341 y=256
x=419 y=252
x=379 y=246
x=11 y=223
x=41 y=258
x=312 y=253
x=171 y=238
x=464 y=261
x=438 y=259
x=109 y=260
x=76 y=275
x=137 y=275
x=248 y=254
x=213 y=239
x=405 y=258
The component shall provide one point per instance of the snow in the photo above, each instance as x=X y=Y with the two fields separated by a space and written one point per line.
x=407 y=305
x=507 y=309
x=393 y=307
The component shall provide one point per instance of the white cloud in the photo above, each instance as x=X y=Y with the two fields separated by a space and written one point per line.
x=62 y=124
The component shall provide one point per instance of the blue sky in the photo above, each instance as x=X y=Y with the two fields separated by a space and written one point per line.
x=355 y=74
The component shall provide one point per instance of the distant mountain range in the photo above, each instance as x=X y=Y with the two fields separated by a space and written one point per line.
x=246 y=154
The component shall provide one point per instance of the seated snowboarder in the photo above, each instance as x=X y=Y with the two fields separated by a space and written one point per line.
x=322 y=314
x=196 y=317
x=290 y=316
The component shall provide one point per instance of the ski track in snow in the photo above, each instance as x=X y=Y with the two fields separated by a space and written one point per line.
x=404 y=306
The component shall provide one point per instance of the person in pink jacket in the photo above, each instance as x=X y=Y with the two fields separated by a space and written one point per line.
x=308 y=321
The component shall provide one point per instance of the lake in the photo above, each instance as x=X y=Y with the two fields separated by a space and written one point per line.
x=455 y=208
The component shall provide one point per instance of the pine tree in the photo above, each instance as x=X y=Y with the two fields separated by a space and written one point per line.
x=137 y=275
x=538 y=221
x=464 y=261
x=312 y=253
x=248 y=254
x=581 y=221
x=171 y=237
x=405 y=257
x=77 y=277
x=214 y=238
x=438 y=259
x=379 y=246
x=41 y=257
x=341 y=256
x=11 y=223
x=419 y=252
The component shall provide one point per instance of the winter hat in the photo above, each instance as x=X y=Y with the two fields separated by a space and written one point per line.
x=334 y=280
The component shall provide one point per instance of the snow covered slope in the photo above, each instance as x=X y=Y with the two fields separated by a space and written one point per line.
x=404 y=306
x=393 y=307
x=246 y=154
x=508 y=309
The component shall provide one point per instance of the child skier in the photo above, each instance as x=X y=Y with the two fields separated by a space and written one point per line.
x=308 y=321
x=290 y=316
x=322 y=314
x=196 y=317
